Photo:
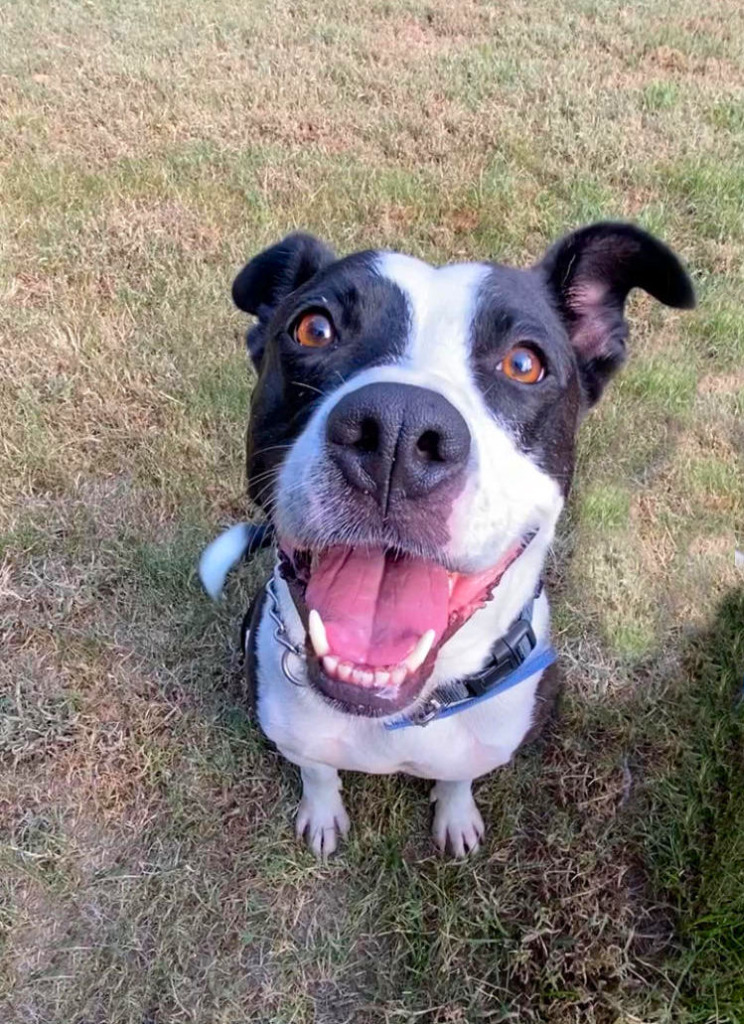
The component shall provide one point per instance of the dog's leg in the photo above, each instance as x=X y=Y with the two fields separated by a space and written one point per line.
x=321 y=816
x=458 y=826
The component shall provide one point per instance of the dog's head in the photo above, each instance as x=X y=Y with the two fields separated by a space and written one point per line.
x=413 y=430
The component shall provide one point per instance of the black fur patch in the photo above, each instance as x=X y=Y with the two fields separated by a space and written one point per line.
x=371 y=320
x=515 y=308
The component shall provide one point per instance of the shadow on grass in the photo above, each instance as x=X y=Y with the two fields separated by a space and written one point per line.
x=591 y=897
x=691 y=818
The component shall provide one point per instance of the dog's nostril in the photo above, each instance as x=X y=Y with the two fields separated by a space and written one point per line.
x=369 y=435
x=428 y=446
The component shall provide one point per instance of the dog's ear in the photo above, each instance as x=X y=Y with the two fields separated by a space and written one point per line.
x=590 y=274
x=271 y=276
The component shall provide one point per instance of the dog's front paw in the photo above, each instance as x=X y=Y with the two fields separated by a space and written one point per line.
x=322 y=819
x=458 y=827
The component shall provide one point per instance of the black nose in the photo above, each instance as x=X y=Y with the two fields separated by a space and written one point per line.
x=397 y=440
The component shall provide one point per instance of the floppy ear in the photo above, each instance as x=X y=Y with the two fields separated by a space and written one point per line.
x=590 y=274
x=274 y=274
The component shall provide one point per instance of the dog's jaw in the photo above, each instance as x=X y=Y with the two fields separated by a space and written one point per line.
x=464 y=653
x=377 y=676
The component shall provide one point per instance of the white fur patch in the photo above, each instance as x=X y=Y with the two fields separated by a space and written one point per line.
x=506 y=491
x=458 y=825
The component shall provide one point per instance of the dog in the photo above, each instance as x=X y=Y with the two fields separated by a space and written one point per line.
x=411 y=443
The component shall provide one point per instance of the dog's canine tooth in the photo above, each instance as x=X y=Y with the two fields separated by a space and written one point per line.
x=330 y=664
x=317 y=632
x=417 y=657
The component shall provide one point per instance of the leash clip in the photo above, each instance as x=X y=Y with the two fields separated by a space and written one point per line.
x=282 y=638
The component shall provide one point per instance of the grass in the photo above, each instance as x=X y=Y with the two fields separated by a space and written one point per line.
x=149 y=874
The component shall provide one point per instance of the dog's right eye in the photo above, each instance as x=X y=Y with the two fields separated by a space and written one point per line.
x=314 y=330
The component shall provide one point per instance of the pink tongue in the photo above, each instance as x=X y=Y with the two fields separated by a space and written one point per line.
x=375 y=608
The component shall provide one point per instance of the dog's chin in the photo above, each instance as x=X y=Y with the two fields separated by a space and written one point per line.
x=376 y=618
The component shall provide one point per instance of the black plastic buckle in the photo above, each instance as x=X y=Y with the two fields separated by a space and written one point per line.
x=507 y=654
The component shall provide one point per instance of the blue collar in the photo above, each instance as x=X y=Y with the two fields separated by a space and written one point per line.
x=513 y=659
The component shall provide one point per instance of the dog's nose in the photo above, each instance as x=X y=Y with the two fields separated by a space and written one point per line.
x=397 y=440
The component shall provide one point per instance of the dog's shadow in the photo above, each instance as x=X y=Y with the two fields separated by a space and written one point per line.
x=680 y=722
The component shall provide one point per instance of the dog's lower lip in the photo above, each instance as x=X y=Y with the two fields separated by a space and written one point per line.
x=366 y=691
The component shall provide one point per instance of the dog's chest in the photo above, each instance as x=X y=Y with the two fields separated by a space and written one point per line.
x=464 y=746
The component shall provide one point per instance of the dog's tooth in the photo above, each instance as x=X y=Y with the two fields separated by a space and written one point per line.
x=362 y=677
x=417 y=657
x=450 y=583
x=398 y=675
x=344 y=670
x=317 y=632
x=330 y=665
x=382 y=677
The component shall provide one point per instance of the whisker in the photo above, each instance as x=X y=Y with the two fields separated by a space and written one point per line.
x=309 y=387
x=272 y=448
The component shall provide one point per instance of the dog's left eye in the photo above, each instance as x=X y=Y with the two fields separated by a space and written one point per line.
x=314 y=330
x=522 y=364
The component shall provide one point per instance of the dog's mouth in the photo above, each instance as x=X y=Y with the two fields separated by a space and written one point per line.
x=375 y=618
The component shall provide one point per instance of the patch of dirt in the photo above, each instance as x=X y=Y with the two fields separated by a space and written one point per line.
x=710 y=71
x=721 y=384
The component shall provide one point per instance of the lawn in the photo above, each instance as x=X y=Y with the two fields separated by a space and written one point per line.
x=148 y=870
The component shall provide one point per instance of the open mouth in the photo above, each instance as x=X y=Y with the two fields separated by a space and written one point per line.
x=375 y=619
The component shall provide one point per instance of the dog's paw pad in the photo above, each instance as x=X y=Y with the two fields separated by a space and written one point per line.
x=458 y=826
x=322 y=822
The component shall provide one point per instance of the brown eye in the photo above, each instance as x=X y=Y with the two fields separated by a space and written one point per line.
x=314 y=330
x=523 y=365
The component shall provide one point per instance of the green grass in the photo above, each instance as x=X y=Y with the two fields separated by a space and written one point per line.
x=148 y=871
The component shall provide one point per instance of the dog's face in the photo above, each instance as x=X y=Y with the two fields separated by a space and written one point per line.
x=413 y=429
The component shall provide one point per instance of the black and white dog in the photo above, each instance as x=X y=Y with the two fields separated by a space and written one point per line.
x=411 y=441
